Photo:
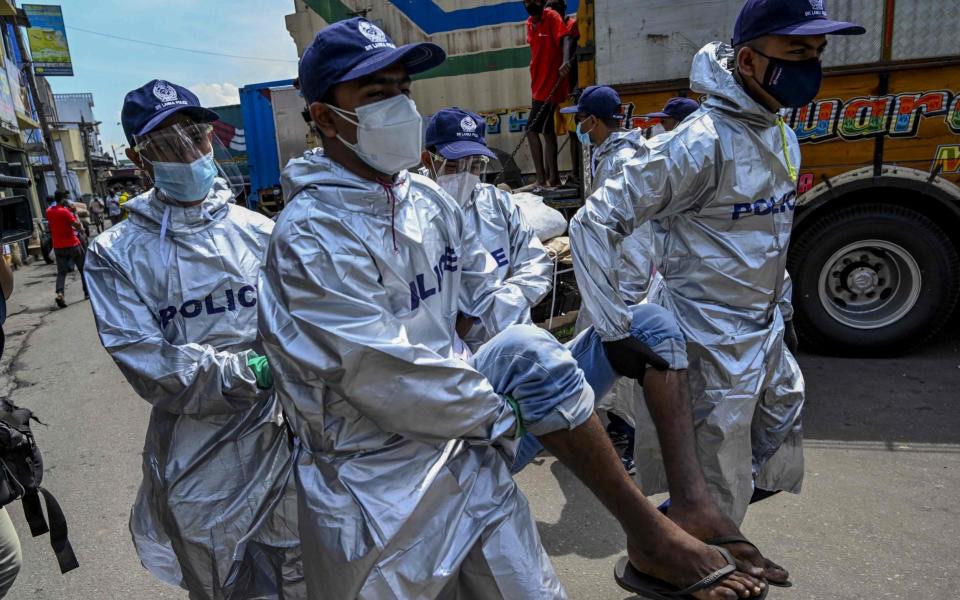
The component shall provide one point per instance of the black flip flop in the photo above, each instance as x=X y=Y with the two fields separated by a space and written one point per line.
x=647 y=586
x=739 y=539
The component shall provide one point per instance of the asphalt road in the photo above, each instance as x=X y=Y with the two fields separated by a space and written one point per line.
x=878 y=518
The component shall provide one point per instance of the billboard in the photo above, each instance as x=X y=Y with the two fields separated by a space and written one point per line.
x=48 y=40
x=8 y=115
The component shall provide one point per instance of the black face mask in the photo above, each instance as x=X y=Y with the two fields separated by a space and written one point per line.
x=794 y=83
x=533 y=9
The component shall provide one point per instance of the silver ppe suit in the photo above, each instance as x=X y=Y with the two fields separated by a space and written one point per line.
x=523 y=267
x=402 y=492
x=635 y=264
x=173 y=291
x=720 y=193
x=637 y=252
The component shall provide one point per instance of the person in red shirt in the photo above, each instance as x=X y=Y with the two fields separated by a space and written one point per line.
x=551 y=59
x=65 y=230
x=565 y=123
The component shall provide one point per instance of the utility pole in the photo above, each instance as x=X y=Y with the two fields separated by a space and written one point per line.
x=85 y=134
x=41 y=113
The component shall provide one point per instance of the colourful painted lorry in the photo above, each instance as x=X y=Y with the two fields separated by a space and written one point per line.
x=874 y=256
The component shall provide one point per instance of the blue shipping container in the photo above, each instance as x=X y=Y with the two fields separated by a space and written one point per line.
x=261 y=138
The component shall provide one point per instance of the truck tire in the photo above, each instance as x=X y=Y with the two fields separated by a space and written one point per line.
x=872 y=280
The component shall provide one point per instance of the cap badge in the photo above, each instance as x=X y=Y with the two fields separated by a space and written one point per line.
x=372 y=32
x=164 y=91
x=468 y=125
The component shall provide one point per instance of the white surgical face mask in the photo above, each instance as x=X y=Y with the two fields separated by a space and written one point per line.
x=389 y=133
x=459 y=185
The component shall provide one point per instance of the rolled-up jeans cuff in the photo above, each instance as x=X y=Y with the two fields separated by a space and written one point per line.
x=673 y=351
x=567 y=414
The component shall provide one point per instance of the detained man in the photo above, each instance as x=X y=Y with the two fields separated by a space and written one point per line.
x=722 y=187
x=173 y=290
x=456 y=157
x=403 y=469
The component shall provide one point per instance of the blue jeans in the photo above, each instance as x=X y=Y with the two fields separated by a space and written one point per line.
x=556 y=384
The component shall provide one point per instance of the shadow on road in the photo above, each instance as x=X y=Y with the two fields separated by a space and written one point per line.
x=887 y=403
x=584 y=528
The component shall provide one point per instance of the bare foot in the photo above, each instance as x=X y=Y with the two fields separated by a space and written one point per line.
x=683 y=566
x=704 y=521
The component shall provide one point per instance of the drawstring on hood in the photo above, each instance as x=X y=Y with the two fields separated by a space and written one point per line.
x=388 y=188
x=163 y=235
x=712 y=74
x=161 y=215
x=786 y=151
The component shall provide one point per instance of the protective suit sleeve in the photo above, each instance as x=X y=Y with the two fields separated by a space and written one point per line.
x=658 y=183
x=499 y=304
x=325 y=315
x=194 y=379
x=531 y=270
x=786 y=298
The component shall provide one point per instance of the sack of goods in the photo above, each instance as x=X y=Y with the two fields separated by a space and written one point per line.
x=547 y=222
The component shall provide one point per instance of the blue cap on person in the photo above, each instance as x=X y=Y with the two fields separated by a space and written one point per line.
x=146 y=107
x=351 y=49
x=676 y=108
x=457 y=133
x=788 y=17
x=600 y=101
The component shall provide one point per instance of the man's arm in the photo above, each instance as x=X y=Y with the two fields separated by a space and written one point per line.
x=498 y=304
x=569 y=50
x=6 y=279
x=325 y=317
x=192 y=379
x=531 y=270
x=657 y=183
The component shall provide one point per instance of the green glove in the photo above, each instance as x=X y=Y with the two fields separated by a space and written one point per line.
x=516 y=410
x=261 y=370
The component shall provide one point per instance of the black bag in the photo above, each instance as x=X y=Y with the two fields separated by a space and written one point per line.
x=21 y=470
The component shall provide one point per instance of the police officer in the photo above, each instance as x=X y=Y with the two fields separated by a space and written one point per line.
x=173 y=290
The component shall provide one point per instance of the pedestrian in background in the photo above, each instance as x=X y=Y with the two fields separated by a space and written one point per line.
x=96 y=213
x=65 y=229
x=113 y=206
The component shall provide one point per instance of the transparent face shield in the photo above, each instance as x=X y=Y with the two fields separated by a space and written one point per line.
x=185 y=157
x=459 y=177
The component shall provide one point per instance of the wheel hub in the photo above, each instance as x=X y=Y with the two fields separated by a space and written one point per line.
x=869 y=284
x=862 y=280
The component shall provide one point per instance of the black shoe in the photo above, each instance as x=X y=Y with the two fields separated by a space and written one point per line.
x=618 y=438
x=60 y=301
x=628 y=465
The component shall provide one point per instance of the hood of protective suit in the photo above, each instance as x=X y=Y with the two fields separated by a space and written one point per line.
x=631 y=139
x=314 y=171
x=148 y=209
x=712 y=74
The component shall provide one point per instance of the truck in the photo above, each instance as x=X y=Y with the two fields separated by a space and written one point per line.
x=874 y=250
x=874 y=254
x=274 y=131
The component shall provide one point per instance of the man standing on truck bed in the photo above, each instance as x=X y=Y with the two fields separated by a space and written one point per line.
x=721 y=188
x=551 y=58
